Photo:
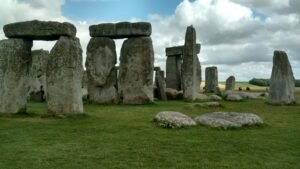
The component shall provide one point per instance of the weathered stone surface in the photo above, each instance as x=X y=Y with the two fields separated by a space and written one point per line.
x=230 y=83
x=39 y=30
x=234 y=97
x=121 y=30
x=282 y=84
x=227 y=120
x=178 y=50
x=64 y=76
x=37 y=82
x=171 y=94
x=173 y=72
x=161 y=85
x=190 y=81
x=200 y=96
x=15 y=61
x=136 y=71
x=244 y=95
x=101 y=72
x=169 y=119
x=207 y=104
x=211 y=80
x=214 y=97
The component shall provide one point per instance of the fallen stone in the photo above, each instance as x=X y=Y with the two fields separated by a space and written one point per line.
x=121 y=30
x=282 y=84
x=15 y=61
x=234 y=97
x=227 y=120
x=136 y=71
x=207 y=104
x=200 y=96
x=101 y=72
x=64 y=76
x=171 y=94
x=169 y=119
x=244 y=95
x=214 y=97
x=39 y=30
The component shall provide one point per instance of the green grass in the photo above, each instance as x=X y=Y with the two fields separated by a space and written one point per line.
x=125 y=137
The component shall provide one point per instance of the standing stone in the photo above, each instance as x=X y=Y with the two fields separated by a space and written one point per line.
x=282 y=84
x=230 y=83
x=64 y=76
x=173 y=72
x=38 y=75
x=211 y=80
x=101 y=71
x=15 y=61
x=189 y=68
x=160 y=84
x=136 y=71
x=198 y=74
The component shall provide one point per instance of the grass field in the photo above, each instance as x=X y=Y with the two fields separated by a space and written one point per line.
x=125 y=137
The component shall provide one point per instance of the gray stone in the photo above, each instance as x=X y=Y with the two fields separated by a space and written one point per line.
x=200 y=96
x=171 y=93
x=136 y=71
x=39 y=30
x=227 y=120
x=64 y=76
x=230 y=83
x=121 y=30
x=178 y=50
x=234 y=97
x=207 y=104
x=173 y=72
x=214 y=97
x=161 y=85
x=244 y=95
x=190 y=81
x=282 y=84
x=211 y=80
x=38 y=75
x=101 y=72
x=15 y=61
x=169 y=119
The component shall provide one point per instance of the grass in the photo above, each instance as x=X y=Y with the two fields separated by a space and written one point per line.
x=125 y=137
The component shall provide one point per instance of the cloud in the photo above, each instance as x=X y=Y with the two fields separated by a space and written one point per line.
x=233 y=34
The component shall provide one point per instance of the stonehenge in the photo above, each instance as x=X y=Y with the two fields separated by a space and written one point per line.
x=15 y=62
x=160 y=84
x=230 y=83
x=132 y=82
x=63 y=72
x=211 y=80
x=282 y=84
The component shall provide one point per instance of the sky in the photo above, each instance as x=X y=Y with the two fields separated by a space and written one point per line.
x=237 y=36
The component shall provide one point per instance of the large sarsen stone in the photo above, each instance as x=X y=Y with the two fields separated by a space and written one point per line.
x=39 y=30
x=282 y=84
x=15 y=61
x=64 y=76
x=101 y=71
x=136 y=71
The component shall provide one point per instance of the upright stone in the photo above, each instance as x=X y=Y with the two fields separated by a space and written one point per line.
x=101 y=71
x=136 y=71
x=37 y=82
x=282 y=84
x=64 y=76
x=173 y=72
x=15 y=61
x=190 y=66
x=211 y=80
x=39 y=30
x=161 y=84
x=230 y=83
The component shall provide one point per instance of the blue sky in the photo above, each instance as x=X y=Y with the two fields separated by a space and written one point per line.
x=117 y=10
